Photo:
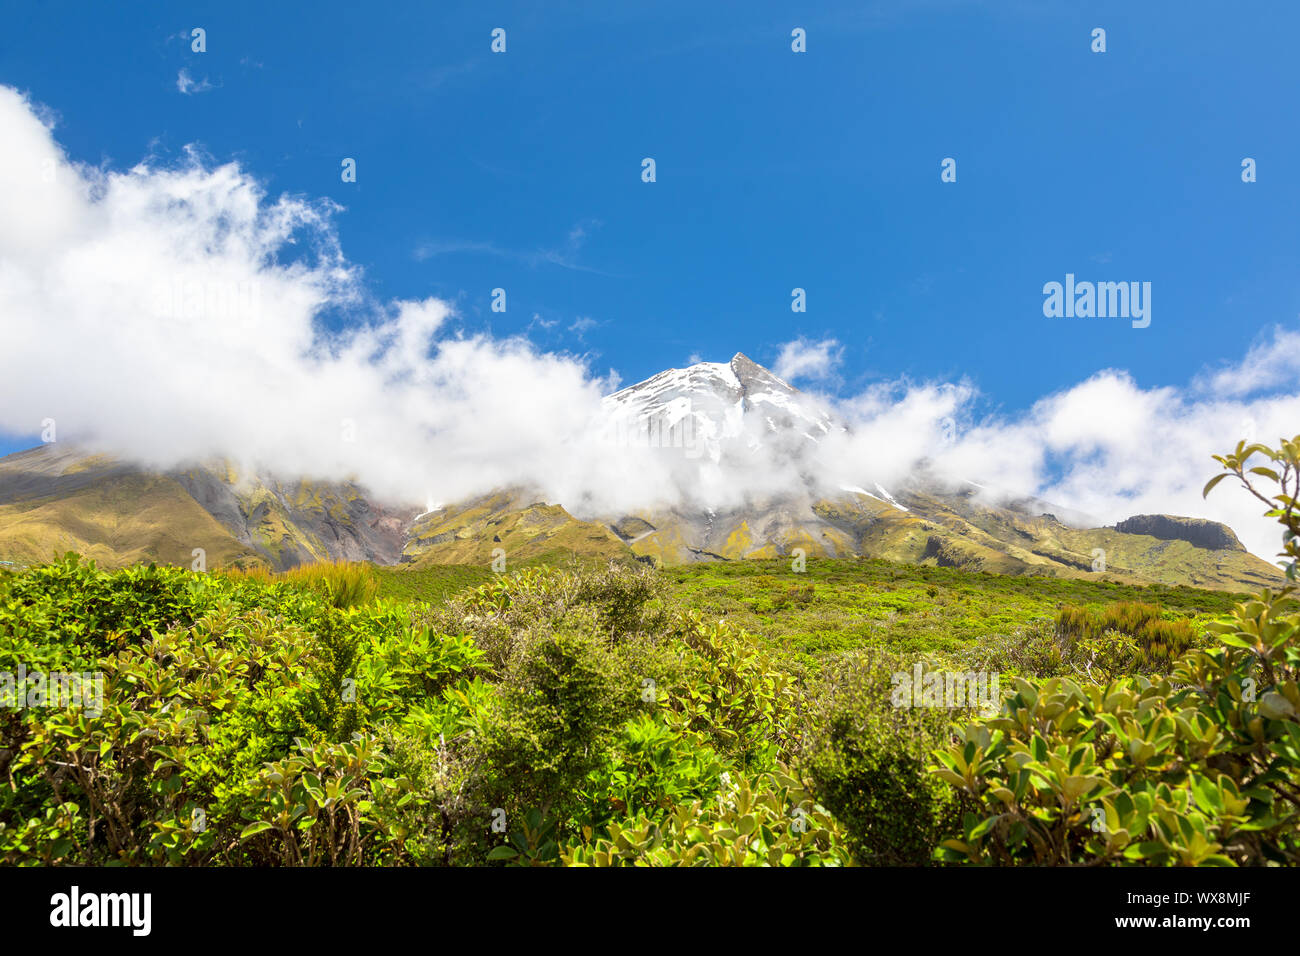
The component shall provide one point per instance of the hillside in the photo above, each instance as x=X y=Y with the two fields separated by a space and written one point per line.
x=507 y=523
x=838 y=605
x=55 y=498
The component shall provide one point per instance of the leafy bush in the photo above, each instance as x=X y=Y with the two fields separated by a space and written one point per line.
x=1200 y=768
x=652 y=767
x=89 y=611
x=226 y=683
x=868 y=762
x=1123 y=773
x=549 y=724
x=798 y=594
x=733 y=695
x=630 y=710
x=771 y=821
x=619 y=601
x=319 y=806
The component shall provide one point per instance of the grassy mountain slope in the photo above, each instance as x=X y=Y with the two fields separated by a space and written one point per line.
x=56 y=498
x=118 y=521
x=946 y=531
x=469 y=533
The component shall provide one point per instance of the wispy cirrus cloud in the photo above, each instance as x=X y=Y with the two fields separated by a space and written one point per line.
x=188 y=85
x=565 y=254
x=582 y=325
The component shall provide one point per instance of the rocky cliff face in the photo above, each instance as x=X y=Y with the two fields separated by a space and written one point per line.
x=1195 y=531
x=298 y=522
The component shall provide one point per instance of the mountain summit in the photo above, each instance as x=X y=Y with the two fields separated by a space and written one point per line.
x=737 y=403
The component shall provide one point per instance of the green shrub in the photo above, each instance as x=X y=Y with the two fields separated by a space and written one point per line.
x=652 y=768
x=1129 y=772
x=1200 y=768
x=868 y=762
x=548 y=725
x=227 y=682
x=733 y=696
x=319 y=807
x=256 y=718
x=799 y=594
x=770 y=821
x=619 y=601
x=75 y=604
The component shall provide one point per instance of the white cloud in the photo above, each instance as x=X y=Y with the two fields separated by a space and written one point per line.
x=1112 y=449
x=582 y=325
x=1272 y=362
x=189 y=86
x=809 y=361
x=173 y=313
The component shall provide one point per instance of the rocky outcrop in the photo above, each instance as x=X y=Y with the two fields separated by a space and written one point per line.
x=1195 y=531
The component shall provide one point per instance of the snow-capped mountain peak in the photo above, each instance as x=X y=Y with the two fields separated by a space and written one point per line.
x=716 y=405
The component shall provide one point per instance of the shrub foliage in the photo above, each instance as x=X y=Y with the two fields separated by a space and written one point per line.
x=1198 y=767
x=582 y=717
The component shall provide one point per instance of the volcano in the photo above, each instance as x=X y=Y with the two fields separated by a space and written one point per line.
x=707 y=422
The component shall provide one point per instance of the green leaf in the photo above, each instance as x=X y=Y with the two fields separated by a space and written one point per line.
x=1209 y=485
x=254 y=828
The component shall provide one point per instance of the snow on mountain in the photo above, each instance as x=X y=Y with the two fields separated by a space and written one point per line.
x=887 y=497
x=714 y=408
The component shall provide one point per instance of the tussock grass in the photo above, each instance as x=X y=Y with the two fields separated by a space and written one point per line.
x=343 y=584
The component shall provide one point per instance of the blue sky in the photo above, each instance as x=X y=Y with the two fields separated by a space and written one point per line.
x=774 y=169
